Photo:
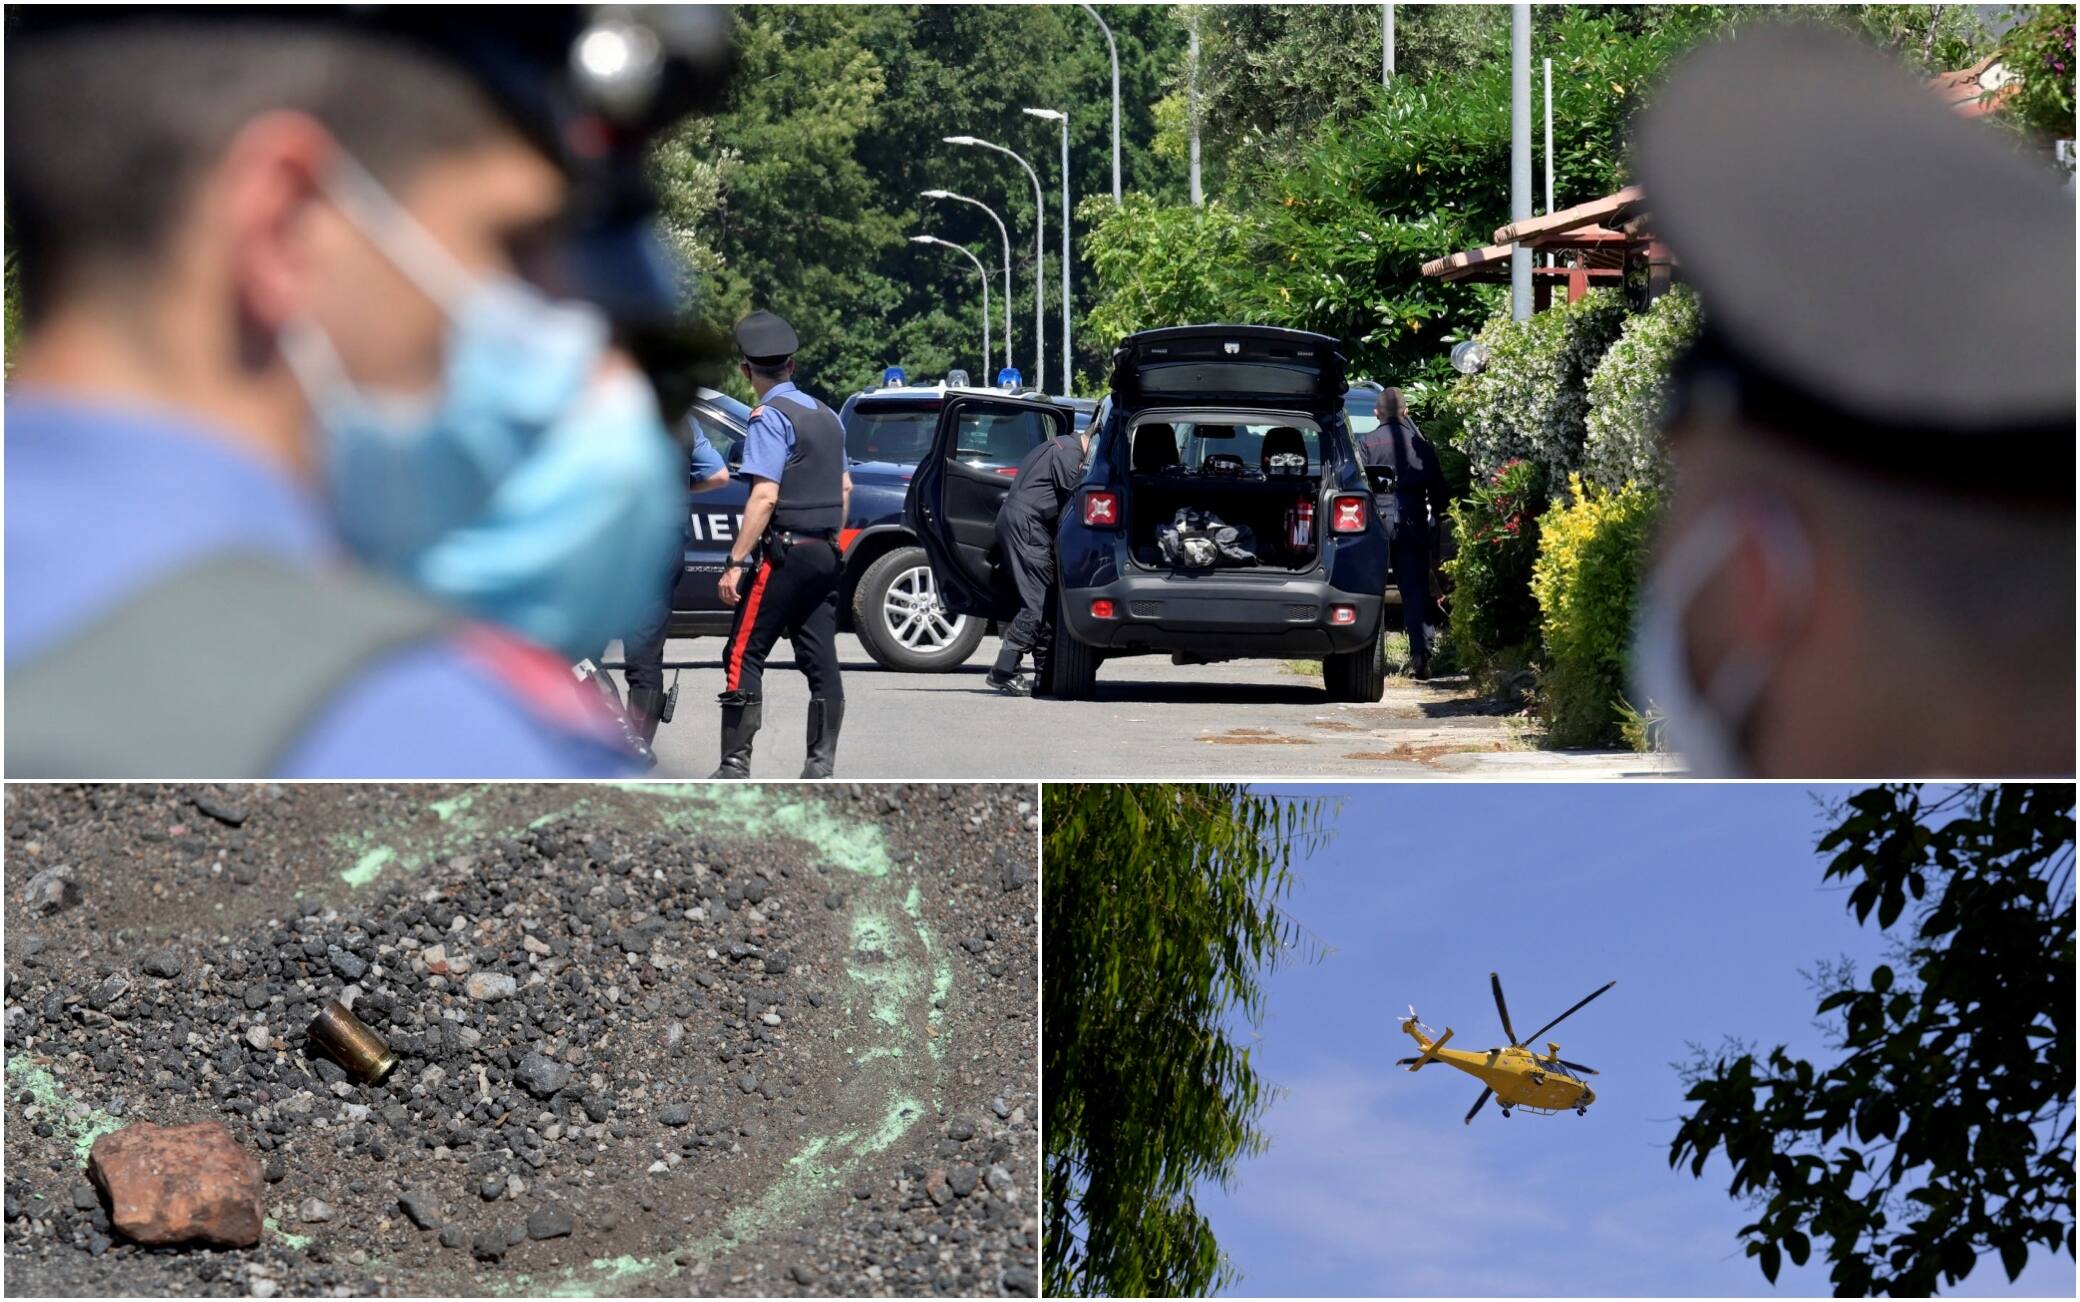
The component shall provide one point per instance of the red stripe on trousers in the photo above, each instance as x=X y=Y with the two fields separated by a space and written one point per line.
x=736 y=651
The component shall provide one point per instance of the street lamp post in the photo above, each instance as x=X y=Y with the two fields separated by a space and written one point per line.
x=1068 y=367
x=1113 y=47
x=1039 y=255
x=1006 y=236
x=982 y=272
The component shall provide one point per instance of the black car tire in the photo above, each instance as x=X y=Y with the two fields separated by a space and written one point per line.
x=1072 y=665
x=869 y=620
x=1359 y=676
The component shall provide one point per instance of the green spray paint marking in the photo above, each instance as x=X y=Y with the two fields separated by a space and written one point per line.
x=296 y=1241
x=368 y=866
x=856 y=847
x=82 y=1127
x=942 y=971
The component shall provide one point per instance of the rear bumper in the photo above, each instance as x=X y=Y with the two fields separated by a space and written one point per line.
x=1240 y=615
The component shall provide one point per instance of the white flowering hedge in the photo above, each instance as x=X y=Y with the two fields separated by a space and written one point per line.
x=1629 y=389
x=1532 y=401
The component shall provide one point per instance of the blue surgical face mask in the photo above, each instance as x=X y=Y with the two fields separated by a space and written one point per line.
x=578 y=545
x=402 y=470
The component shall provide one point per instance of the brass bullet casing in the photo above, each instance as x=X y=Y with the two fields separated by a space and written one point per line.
x=346 y=1039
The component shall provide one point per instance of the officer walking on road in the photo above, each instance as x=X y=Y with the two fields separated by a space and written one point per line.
x=1414 y=512
x=1025 y=535
x=643 y=650
x=314 y=412
x=1866 y=565
x=784 y=567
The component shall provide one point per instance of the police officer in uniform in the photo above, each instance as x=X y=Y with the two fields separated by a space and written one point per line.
x=1025 y=536
x=215 y=496
x=784 y=567
x=643 y=651
x=1867 y=562
x=1418 y=503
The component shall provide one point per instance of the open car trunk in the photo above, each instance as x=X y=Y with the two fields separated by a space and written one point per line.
x=1265 y=507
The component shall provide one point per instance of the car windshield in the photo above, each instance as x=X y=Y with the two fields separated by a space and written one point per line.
x=1359 y=408
x=1197 y=442
x=890 y=432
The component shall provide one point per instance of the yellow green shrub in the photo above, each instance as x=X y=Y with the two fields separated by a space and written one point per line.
x=1591 y=549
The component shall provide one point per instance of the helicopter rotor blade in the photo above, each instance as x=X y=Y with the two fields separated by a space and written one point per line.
x=1495 y=979
x=1485 y=1092
x=1403 y=1062
x=1562 y=1017
x=1577 y=1067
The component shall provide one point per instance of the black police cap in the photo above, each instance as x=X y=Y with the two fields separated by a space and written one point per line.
x=765 y=339
x=1882 y=278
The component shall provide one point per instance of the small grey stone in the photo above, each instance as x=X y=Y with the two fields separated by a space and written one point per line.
x=224 y=811
x=542 y=1076
x=314 y=1209
x=490 y=985
x=748 y=1082
x=489 y=1246
x=676 y=1114
x=1000 y=1107
x=259 y=1039
x=491 y=1188
x=52 y=889
x=256 y=996
x=109 y=991
x=550 y=1223
x=974 y=944
x=960 y=1129
x=85 y=1198
x=421 y=1207
x=802 y=1273
x=163 y=963
x=453 y=1236
x=1021 y=1282
x=999 y=1179
x=350 y=967
x=776 y=964
x=962 y=1180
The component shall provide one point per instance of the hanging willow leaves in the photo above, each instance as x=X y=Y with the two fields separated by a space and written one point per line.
x=1945 y=1131
x=1162 y=908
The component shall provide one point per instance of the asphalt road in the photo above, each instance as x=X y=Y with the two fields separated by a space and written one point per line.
x=1151 y=719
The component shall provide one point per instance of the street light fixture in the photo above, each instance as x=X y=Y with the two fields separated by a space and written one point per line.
x=1006 y=236
x=1055 y=115
x=981 y=271
x=1039 y=255
x=1113 y=47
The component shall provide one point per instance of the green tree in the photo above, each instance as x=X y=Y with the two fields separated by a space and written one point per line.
x=1162 y=918
x=1945 y=1129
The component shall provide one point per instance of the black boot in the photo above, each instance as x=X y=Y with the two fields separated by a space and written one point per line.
x=826 y=716
x=645 y=710
x=739 y=725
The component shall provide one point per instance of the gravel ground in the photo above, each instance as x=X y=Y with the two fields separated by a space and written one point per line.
x=653 y=1040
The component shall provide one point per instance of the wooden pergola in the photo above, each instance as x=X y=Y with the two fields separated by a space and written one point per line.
x=1588 y=244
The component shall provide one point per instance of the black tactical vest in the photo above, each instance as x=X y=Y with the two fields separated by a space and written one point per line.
x=812 y=488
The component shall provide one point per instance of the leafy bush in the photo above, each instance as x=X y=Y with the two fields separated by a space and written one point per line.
x=1532 y=401
x=1586 y=580
x=2039 y=51
x=1494 y=619
x=1628 y=390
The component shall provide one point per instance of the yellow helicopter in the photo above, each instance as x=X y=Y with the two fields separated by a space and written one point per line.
x=1515 y=1075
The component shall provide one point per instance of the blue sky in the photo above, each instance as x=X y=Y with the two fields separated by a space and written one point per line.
x=1702 y=901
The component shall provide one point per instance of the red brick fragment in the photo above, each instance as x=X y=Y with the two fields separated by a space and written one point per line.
x=176 y=1184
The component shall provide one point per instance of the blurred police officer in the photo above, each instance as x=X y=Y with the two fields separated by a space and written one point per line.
x=1025 y=536
x=643 y=650
x=1866 y=568
x=307 y=377
x=1414 y=509
x=784 y=567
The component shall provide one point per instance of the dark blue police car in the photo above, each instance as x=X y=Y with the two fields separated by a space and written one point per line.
x=890 y=598
x=1246 y=424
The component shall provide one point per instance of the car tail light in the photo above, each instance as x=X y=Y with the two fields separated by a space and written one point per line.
x=1347 y=513
x=1343 y=614
x=1103 y=608
x=1101 y=509
x=1008 y=472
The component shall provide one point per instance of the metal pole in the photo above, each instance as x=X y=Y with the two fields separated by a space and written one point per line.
x=1113 y=47
x=1386 y=42
x=1550 y=260
x=1039 y=255
x=1068 y=364
x=1520 y=155
x=1192 y=110
x=1003 y=234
